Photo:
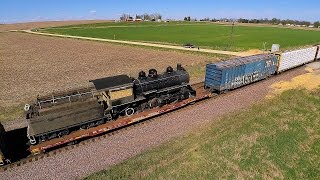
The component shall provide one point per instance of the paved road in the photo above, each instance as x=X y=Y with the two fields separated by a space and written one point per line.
x=143 y=44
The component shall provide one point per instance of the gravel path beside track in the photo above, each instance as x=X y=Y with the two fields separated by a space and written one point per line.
x=142 y=44
x=98 y=155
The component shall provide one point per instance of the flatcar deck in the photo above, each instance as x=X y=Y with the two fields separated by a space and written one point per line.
x=122 y=122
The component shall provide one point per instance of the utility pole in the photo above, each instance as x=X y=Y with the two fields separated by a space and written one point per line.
x=264 y=46
x=231 y=35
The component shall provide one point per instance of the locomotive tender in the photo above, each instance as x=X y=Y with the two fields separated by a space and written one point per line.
x=107 y=99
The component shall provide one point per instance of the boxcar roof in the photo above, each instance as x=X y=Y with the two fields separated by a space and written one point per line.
x=242 y=60
x=109 y=82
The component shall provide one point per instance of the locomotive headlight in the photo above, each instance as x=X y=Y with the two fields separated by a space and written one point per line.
x=26 y=107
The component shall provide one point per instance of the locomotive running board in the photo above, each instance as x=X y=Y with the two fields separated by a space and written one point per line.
x=122 y=122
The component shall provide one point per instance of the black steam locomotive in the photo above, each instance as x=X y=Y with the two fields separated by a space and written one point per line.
x=56 y=115
x=128 y=95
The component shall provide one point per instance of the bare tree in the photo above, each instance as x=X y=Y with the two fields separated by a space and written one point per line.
x=146 y=16
x=157 y=16
x=124 y=17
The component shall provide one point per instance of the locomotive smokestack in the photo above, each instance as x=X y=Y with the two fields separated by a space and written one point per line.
x=179 y=67
x=169 y=69
x=153 y=73
x=142 y=75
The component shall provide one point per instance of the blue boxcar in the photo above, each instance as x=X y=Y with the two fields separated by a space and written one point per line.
x=234 y=73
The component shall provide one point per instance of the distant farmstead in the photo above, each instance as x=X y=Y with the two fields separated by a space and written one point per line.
x=130 y=19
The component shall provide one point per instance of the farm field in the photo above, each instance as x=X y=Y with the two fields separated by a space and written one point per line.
x=204 y=35
x=278 y=138
x=30 y=25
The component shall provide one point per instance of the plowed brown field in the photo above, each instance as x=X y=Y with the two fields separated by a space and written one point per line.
x=33 y=64
x=30 y=25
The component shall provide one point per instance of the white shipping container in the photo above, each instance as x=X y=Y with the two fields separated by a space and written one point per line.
x=296 y=58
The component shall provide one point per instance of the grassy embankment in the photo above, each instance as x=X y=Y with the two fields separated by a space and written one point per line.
x=205 y=35
x=279 y=138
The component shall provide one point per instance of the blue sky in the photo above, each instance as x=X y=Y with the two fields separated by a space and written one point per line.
x=42 y=10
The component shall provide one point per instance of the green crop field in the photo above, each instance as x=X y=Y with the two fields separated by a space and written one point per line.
x=278 y=139
x=204 y=35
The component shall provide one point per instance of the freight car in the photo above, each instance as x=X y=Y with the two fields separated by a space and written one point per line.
x=105 y=100
x=291 y=59
x=234 y=73
x=227 y=75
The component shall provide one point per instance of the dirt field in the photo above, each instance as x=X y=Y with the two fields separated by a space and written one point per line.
x=33 y=64
x=30 y=25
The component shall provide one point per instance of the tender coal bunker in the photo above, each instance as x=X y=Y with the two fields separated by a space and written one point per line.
x=114 y=81
x=16 y=147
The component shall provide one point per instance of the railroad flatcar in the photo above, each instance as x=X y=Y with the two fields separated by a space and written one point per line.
x=104 y=100
x=234 y=73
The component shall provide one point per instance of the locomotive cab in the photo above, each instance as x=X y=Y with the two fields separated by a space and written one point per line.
x=114 y=91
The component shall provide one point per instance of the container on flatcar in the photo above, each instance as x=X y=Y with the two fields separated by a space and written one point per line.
x=291 y=59
x=234 y=73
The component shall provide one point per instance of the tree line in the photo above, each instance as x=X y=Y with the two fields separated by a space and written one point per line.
x=274 y=21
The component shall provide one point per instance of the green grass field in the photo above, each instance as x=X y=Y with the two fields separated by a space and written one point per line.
x=278 y=139
x=205 y=35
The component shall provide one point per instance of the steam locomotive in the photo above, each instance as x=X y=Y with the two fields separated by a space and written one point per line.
x=105 y=100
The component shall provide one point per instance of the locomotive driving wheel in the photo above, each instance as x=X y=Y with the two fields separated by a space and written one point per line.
x=155 y=102
x=63 y=133
x=185 y=94
x=129 y=111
